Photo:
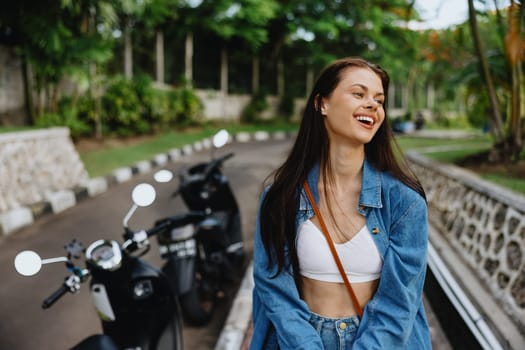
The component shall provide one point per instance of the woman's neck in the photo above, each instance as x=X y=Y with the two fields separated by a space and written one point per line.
x=346 y=164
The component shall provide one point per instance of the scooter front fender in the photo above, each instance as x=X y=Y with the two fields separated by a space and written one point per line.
x=180 y=273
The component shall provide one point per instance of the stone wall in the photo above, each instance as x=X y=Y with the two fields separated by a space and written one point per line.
x=485 y=224
x=230 y=107
x=37 y=166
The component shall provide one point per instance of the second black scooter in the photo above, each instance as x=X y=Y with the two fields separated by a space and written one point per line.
x=202 y=258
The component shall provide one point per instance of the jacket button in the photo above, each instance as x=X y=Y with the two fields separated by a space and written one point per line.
x=342 y=326
x=375 y=230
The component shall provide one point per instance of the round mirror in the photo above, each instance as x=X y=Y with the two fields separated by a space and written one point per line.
x=163 y=176
x=143 y=195
x=28 y=263
x=220 y=138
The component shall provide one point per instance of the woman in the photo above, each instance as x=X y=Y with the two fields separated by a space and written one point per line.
x=375 y=212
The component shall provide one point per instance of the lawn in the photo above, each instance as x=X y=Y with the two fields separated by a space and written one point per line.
x=454 y=150
x=101 y=158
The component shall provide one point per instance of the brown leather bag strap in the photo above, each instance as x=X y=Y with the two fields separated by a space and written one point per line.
x=357 y=307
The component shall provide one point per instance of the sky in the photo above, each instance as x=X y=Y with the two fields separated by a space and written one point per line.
x=439 y=14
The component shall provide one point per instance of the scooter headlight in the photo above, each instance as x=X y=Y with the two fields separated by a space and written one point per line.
x=142 y=289
x=104 y=254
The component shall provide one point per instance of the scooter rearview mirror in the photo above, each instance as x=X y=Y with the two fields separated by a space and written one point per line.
x=220 y=138
x=143 y=195
x=28 y=263
x=163 y=176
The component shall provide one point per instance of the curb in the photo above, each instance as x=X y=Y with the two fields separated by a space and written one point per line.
x=236 y=326
x=56 y=202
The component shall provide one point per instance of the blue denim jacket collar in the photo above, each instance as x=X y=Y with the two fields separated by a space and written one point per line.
x=370 y=188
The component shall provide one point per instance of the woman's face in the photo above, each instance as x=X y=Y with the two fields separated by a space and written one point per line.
x=354 y=111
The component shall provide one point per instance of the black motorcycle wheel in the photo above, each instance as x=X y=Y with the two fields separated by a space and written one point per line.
x=199 y=303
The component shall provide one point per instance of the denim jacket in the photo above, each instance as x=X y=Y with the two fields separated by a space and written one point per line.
x=395 y=317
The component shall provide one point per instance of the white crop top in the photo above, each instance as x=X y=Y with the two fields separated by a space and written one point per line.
x=359 y=256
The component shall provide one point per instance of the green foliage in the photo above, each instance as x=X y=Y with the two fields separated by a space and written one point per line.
x=478 y=110
x=253 y=110
x=67 y=118
x=443 y=121
x=132 y=107
x=192 y=107
x=122 y=110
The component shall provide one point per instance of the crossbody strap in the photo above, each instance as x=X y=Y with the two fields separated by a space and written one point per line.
x=357 y=307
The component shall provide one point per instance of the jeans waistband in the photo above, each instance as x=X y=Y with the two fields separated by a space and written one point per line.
x=352 y=321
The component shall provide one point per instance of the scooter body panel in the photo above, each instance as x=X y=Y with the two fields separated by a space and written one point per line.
x=141 y=299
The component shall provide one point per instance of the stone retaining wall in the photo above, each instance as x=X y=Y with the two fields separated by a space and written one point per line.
x=485 y=224
x=37 y=166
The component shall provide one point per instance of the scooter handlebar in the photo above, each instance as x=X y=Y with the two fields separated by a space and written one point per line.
x=55 y=296
x=214 y=164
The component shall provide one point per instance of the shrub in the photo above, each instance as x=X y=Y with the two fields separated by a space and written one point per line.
x=253 y=110
x=191 y=107
x=69 y=115
x=122 y=109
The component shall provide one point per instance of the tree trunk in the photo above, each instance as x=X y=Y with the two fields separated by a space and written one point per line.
x=188 y=59
x=93 y=88
x=280 y=78
x=255 y=75
x=309 y=80
x=159 y=53
x=28 y=90
x=513 y=41
x=128 y=51
x=497 y=127
x=391 y=95
x=224 y=79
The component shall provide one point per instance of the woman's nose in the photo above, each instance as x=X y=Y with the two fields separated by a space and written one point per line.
x=371 y=103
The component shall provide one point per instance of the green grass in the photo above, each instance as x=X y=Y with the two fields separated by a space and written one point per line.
x=457 y=149
x=102 y=162
x=16 y=128
x=514 y=184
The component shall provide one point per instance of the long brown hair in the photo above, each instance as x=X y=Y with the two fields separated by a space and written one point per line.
x=278 y=209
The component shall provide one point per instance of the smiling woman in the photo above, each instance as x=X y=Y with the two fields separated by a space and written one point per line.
x=361 y=286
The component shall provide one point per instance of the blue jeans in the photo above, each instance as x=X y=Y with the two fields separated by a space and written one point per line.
x=336 y=333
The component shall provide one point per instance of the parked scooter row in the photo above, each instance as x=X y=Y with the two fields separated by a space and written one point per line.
x=139 y=304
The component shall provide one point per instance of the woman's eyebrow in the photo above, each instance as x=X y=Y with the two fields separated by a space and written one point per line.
x=364 y=87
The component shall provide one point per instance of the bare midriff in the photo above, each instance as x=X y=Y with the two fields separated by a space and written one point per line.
x=332 y=300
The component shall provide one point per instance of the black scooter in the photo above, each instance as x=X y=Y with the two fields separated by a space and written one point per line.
x=201 y=258
x=135 y=301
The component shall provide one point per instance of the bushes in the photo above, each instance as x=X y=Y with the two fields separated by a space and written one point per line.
x=127 y=107
x=76 y=115
x=253 y=110
x=136 y=107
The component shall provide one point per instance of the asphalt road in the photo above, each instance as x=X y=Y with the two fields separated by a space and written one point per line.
x=25 y=325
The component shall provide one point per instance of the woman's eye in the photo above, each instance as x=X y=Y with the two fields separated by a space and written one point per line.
x=358 y=94
x=380 y=102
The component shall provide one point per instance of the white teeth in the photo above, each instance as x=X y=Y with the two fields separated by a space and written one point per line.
x=365 y=119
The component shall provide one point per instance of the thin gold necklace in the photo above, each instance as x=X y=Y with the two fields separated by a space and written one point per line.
x=341 y=232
